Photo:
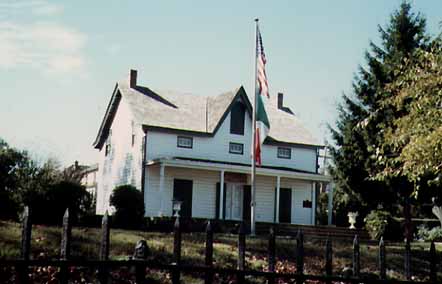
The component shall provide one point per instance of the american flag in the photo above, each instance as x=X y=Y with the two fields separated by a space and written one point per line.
x=260 y=68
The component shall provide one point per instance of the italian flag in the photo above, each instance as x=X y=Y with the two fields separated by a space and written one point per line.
x=262 y=128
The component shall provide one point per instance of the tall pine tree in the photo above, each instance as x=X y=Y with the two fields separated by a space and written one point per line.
x=362 y=117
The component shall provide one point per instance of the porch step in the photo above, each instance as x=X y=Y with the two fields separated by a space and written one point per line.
x=317 y=231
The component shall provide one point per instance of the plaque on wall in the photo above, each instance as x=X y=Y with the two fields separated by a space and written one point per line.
x=235 y=177
x=306 y=204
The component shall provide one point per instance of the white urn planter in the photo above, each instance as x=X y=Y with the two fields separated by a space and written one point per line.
x=352 y=219
x=437 y=210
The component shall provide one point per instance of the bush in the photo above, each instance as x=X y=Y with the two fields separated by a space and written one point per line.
x=424 y=234
x=129 y=206
x=8 y=206
x=376 y=223
x=62 y=195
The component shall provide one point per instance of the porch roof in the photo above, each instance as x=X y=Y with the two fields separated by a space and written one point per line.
x=239 y=168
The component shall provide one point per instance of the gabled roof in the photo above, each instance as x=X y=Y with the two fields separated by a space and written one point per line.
x=175 y=111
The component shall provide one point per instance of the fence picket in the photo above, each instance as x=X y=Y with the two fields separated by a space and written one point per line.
x=209 y=253
x=356 y=257
x=407 y=259
x=26 y=234
x=103 y=275
x=433 y=263
x=241 y=251
x=300 y=252
x=140 y=253
x=271 y=254
x=328 y=257
x=382 y=263
x=176 y=250
x=65 y=246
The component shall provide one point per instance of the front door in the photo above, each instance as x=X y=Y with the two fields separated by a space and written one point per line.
x=234 y=200
x=182 y=191
x=285 y=205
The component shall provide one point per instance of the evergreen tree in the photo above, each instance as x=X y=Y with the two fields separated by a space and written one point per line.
x=362 y=116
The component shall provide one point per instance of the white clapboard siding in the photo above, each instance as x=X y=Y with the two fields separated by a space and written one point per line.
x=265 y=198
x=203 y=191
x=123 y=164
x=163 y=145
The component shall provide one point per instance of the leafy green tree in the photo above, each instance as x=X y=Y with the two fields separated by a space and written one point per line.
x=63 y=195
x=358 y=130
x=415 y=133
x=10 y=160
x=128 y=202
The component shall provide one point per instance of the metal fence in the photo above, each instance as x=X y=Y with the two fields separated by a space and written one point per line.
x=140 y=263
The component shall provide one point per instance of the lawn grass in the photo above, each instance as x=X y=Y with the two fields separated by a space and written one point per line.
x=85 y=245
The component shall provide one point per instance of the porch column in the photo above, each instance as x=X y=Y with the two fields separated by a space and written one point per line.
x=221 y=196
x=278 y=189
x=330 y=202
x=162 y=197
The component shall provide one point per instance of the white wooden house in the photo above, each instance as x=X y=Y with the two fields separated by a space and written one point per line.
x=196 y=149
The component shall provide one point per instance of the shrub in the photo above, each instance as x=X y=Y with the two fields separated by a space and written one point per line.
x=376 y=223
x=8 y=206
x=129 y=206
x=427 y=235
x=66 y=194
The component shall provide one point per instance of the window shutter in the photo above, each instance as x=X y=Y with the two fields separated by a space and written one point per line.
x=217 y=200
x=217 y=197
x=274 y=205
x=224 y=202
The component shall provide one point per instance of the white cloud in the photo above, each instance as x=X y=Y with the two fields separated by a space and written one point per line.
x=47 y=46
x=36 y=7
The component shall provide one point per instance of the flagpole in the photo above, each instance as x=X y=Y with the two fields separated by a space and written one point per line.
x=253 y=175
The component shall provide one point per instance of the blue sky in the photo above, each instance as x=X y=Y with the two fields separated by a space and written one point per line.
x=59 y=60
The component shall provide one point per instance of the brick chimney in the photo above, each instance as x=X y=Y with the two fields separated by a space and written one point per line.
x=280 y=100
x=133 y=78
x=281 y=104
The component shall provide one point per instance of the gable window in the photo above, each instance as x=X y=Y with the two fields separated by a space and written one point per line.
x=185 y=142
x=236 y=148
x=133 y=134
x=107 y=147
x=237 y=118
x=284 y=153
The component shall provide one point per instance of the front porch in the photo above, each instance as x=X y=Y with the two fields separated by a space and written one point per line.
x=218 y=190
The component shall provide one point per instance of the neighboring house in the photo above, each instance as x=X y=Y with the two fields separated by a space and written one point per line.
x=197 y=149
x=89 y=179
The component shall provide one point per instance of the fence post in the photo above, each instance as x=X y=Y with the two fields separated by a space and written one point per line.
x=356 y=257
x=271 y=252
x=177 y=251
x=433 y=261
x=328 y=257
x=140 y=254
x=104 y=249
x=209 y=253
x=65 y=246
x=382 y=265
x=241 y=251
x=300 y=252
x=26 y=234
x=407 y=259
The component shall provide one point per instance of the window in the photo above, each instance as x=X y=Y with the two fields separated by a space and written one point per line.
x=284 y=153
x=107 y=147
x=236 y=148
x=133 y=133
x=184 y=142
x=237 y=117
